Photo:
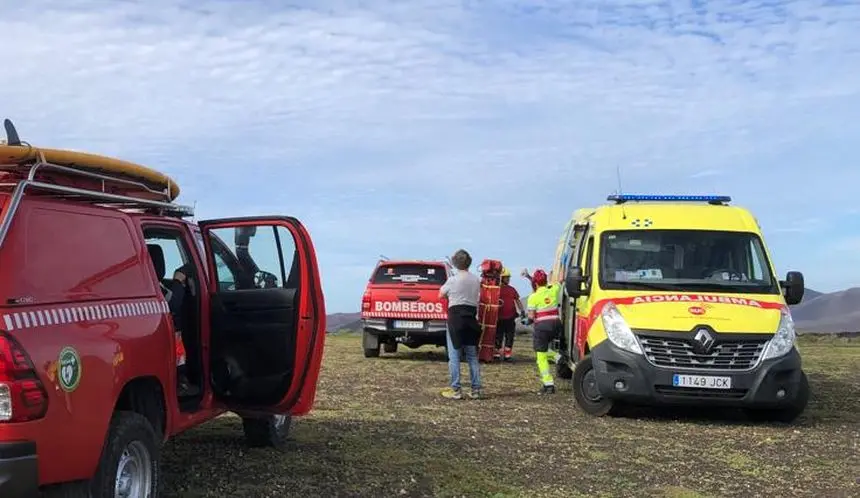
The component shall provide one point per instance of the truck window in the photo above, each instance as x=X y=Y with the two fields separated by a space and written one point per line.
x=685 y=260
x=410 y=273
x=170 y=246
x=254 y=258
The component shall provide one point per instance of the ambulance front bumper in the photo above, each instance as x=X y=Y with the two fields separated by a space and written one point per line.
x=626 y=376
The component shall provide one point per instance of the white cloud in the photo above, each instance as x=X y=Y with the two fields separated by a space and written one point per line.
x=414 y=128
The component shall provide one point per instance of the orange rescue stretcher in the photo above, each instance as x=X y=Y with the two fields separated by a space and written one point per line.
x=488 y=308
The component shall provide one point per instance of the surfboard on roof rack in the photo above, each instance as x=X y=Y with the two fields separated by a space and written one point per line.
x=18 y=160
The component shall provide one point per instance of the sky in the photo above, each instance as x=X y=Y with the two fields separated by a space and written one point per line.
x=411 y=129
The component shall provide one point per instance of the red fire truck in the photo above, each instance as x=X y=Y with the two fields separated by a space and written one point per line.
x=401 y=305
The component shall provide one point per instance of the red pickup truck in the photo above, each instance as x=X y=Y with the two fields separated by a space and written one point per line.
x=92 y=266
x=401 y=305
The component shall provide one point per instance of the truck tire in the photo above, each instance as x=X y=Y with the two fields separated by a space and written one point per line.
x=787 y=414
x=271 y=431
x=390 y=347
x=585 y=390
x=131 y=458
x=370 y=343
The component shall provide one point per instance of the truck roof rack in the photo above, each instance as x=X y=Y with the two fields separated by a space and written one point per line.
x=710 y=199
x=97 y=189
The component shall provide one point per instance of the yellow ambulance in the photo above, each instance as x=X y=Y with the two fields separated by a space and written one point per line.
x=674 y=300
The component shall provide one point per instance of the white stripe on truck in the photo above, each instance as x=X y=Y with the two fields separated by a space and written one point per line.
x=44 y=317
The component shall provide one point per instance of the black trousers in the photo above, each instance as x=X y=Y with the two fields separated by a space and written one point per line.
x=545 y=333
x=463 y=326
x=505 y=330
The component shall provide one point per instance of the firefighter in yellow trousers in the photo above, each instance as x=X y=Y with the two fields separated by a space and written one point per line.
x=543 y=311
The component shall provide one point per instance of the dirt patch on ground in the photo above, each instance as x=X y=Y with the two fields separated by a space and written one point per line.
x=380 y=428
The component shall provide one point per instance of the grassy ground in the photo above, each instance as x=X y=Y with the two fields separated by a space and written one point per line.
x=380 y=428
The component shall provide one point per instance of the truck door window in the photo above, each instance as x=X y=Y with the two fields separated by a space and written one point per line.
x=169 y=244
x=257 y=257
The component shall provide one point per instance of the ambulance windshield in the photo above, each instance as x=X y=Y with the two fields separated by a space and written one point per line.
x=696 y=260
x=410 y=273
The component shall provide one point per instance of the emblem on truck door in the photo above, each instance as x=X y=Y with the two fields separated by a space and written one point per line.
x=702 y=341
x=69 y=369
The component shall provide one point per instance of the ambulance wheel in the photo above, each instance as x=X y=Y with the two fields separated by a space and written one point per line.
x=390 y=347
x=271 y=431
x=787 y=414
x=585 y=390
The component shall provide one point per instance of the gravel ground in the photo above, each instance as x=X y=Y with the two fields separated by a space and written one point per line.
x=379 y=428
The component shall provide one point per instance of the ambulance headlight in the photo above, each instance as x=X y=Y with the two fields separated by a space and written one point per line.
x=617 y=329
x=784 y=338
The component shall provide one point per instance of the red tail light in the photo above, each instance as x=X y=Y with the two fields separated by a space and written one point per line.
x=22 y=395
x=365 y=301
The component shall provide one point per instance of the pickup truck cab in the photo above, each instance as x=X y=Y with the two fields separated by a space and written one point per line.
x=401 y=305
x=87 y=336
x=675 y=300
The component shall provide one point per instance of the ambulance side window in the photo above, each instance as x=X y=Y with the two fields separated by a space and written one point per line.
x=579 y=237
x=589 y=251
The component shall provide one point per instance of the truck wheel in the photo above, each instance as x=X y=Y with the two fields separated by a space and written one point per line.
x=390 y=347
x=370 y=343
x=787 y=414
x=269 y=431
x=130 y=464
x=585 y=390
x=563 y=371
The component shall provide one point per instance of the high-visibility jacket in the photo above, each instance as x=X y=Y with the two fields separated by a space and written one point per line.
x=545 y=302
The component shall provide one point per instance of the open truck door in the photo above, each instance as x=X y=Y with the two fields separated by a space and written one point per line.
x=267 y=314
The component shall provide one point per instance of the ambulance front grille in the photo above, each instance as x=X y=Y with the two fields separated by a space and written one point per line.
x=679 y=353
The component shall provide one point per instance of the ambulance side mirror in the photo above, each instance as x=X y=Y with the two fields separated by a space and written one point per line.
x=793 y=287
x=573 y=282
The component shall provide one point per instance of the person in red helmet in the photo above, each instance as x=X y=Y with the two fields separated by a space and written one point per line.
x=544 y=311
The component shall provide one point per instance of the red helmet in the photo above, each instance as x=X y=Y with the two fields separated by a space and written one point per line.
x=539 y=277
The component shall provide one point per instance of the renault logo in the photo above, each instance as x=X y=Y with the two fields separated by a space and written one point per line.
x=702 y=341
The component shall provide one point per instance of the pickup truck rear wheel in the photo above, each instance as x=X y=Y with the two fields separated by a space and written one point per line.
x=130 y=464
x=370 y=343
x=268 y=431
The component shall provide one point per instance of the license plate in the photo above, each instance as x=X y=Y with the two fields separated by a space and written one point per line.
x=702 y=381
x=408 y=324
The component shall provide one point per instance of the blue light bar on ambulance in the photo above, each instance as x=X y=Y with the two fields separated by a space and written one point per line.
x=712 y=199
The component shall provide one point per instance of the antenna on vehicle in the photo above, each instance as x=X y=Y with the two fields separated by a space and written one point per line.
x=11 y=133
x=620 y=192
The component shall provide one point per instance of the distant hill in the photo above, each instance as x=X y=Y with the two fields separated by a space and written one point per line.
x=818 y=313
x=828 y=313
x=343 y=321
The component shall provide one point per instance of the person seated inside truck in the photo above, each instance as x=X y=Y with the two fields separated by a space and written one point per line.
x=174 y=293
